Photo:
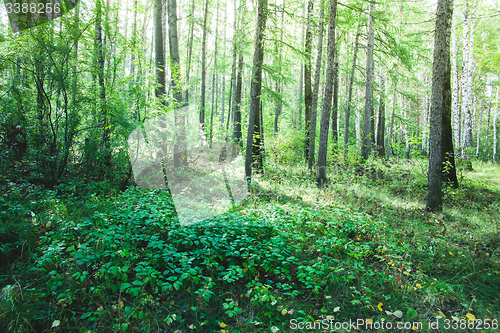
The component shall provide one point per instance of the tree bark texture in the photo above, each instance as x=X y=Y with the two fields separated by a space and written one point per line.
x=253 y=157
x=349 y=95
x=327 y=99
x=441 y=58
x=381 y=118
x=314 y=103
x=159 y=51
x=203 y=67
x=308 y=94
x=367 y=115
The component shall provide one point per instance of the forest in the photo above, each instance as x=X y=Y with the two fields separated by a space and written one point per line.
x=249 y=166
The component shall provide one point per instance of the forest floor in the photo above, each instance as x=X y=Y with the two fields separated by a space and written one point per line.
x=359 y=255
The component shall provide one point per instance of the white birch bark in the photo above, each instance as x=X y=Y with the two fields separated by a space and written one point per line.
x=467 y=152
x=479 y=130
x=495 y=131
x=454 y=87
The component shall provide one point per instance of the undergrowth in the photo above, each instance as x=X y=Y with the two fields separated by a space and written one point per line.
x=362 y=248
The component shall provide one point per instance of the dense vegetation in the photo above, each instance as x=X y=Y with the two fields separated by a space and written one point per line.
x=339 y=223
x=83 y=257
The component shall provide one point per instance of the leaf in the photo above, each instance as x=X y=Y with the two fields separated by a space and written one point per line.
x=337 y=309
x=284 y=312
x=470 y=316
x=86 y=315
x=124 y=286
x=419 y=285
x=56 y=323
x=379 y=306
x=274 y=329
x=222 y=324
x=398 y=313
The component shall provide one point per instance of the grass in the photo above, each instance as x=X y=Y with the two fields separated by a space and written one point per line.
x=361 y=248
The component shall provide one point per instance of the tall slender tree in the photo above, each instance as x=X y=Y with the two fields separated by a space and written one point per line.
x=203 y=66
x=441 y=65
x=180 y=152
x=308 y=94
x=349 y=94
x=159 y=51
x=253 y=157
x=381 y=117
x=368 y=110
x=314 y=106
x=327 y=99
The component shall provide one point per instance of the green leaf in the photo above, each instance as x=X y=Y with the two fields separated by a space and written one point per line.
x=124 y=286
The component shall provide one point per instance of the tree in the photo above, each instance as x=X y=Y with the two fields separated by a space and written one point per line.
x=368 y=110
x=467 y=85
x=214 y=77
x=253 y=157
x=314 y=106
x=441 y=64
x=454 y=72
x=159 y=51
x=495 y=134
x=349 y=95
x=335 y=106
x=180 y=153
x=327 y=99
x=190 y=50
x=308 y=94
x=381 y=117
x=203 y=67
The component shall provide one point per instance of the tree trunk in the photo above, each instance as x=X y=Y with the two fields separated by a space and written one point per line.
x=134 y=41
x=391 y=127
x=381 y=117
x=237 y=102
x=454 y=92
x=405 y=127
x=308 y=94
x=467 y=77
x=253 y=156
x=327 y=99
x=203 y=67
x=159 y=49
x=495 y=115
x=441 y=65
x=425 y=119
x=449 y=172
x=479 y=123
x=314 y=106
x=223 y=93
x=180 y=152
x=278 y=109
x=367 y=115
x=349 y=95
x=190 y=52
x=335 y=105
x=214 y=78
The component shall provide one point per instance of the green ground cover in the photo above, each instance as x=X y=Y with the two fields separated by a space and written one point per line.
x=84 y=258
